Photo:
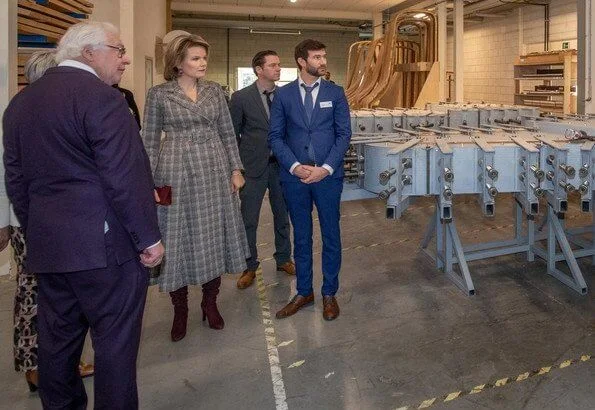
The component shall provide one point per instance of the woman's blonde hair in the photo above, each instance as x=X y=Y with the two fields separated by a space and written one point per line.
x=38 y=63
x=176 y=52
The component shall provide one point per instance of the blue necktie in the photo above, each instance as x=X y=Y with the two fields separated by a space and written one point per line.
x=309 y=100
x=309 y=108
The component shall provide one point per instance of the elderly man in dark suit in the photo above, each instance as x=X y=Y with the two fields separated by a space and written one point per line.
x=250 y=111
x=81 y=186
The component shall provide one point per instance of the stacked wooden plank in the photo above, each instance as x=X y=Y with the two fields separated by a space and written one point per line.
x=41 y=24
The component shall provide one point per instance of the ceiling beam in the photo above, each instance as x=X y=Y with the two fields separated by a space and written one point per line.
x=232 y=10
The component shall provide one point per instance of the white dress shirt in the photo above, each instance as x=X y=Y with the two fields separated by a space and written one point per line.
x=78 y=64
x=314 y=98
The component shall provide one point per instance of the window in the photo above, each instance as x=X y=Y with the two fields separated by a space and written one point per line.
x=246 y=77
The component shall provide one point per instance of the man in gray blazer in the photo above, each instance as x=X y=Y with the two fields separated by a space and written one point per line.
x=250 y=112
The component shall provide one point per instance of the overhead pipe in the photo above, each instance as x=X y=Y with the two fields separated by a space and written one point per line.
x=546 y=34
x=189 y=22
x=546 y=18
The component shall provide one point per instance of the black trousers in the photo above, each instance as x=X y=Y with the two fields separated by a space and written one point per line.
x=251 y=196
x=108 y=301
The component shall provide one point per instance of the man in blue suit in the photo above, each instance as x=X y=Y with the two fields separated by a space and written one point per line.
x=80 y=182
x=309 y=134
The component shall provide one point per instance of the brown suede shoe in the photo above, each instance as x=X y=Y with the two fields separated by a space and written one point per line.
x=287 y=267
x=294 y=305
x=246 y=279
x=331 y=308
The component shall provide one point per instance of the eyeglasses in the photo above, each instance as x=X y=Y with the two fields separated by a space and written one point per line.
x=121 y=50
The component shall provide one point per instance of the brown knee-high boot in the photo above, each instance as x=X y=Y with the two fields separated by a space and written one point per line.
x=179 y=298
x=210 y=290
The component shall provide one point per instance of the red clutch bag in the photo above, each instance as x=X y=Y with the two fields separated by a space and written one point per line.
x=164 y=193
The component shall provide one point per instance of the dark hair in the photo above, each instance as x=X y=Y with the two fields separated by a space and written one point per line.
x=260 y=57
x=301 y=50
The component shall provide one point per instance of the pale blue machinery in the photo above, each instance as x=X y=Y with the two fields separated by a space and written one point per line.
x=487 y=150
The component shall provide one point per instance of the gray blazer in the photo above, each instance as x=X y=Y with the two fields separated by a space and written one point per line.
x=251 y=125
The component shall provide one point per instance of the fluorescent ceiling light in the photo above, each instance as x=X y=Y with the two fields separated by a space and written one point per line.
x=419 y=15
x=289 y=33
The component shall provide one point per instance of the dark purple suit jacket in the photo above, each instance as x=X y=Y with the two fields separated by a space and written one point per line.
x=74 y=160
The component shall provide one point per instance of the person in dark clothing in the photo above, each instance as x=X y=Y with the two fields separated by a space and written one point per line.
x=131 y=103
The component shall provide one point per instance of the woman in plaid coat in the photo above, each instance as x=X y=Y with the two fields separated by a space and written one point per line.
x=202 y=229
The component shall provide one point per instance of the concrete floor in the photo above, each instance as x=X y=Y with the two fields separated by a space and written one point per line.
x=406 y=334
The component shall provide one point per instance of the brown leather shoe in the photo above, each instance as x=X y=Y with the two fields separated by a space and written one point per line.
x=287 y=267
x=85 y=369
x=246 y=279
x=331 y=308
x=32 y=378
x=294 y=305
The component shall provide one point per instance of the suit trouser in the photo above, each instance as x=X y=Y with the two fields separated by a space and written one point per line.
x=300 y=198
x=110 y=301
x=251 y=196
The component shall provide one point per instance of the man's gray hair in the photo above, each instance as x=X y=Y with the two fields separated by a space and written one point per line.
x=38 y=63
x=87 y=34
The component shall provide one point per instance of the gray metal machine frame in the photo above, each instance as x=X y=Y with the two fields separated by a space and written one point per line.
x=450 y=250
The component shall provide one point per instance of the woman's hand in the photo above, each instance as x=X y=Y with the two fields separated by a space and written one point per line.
x=237 y=181
x=156 y=195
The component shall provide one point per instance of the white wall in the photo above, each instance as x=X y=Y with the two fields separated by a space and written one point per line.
x=106 y=10
x=563 y=26
x=243 y=46
x=8 y=87
x=140 y=21
x=492 y=46
x=149 y=22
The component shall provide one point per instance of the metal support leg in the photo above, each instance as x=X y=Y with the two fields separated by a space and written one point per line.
x=448 y=256
x=439 y=239
x=551 y=241
x=464 y=282
x=518 y=222
x=530 y=237
x=557 y=235
x=449 y=251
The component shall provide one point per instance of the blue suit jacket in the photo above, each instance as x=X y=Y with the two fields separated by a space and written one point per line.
x=74 y=160
x=329 y=131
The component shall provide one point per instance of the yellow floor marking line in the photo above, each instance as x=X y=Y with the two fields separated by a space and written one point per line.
x=296 y=364
x=505 y=381
x=271 y=341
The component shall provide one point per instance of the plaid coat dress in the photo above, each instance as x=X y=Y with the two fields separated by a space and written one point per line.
x=202 y=229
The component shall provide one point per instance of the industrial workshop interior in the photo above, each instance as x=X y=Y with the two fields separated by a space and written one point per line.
x=465 y=135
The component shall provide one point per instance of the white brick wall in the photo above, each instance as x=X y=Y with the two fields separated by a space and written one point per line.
x=243 y=46
x=492 y=46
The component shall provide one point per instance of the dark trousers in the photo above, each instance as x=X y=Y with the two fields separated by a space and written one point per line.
x=300 y=198
x=251 y=196
x=108 y=301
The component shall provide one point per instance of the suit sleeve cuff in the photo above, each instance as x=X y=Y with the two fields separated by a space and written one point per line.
x=155 y=244
x=328 y=168
x=293 y=167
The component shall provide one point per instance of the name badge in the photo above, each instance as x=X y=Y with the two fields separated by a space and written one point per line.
x=326 y=104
